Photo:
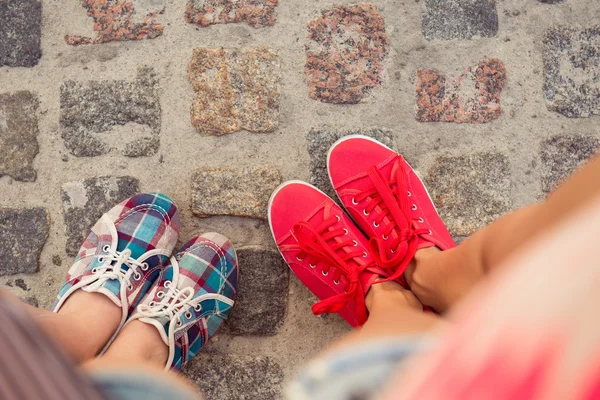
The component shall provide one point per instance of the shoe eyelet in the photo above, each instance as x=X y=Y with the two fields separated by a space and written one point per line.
x=299 y=259
x=179 y=323
x=375 y=224
x=145 y=266
x=137 y=276
x=160 y=294
x=188 y=315
x=421 y=220
x=385 y=237
x=94 y=270
x=325 y=273
x=338 y=218
x=414 y=207
x=345 y=231
x=392 y=251
x=365 y=255
x=100 y=259
x=312 y=266
x=106 y=248
x=430 y=233
x=409 y=193
x=167 y=284
x=355 y=243
x=336 y=282
x=365 y=212
x=354 y=201
x=129 y=286
x=197 y=308
x=152 y=304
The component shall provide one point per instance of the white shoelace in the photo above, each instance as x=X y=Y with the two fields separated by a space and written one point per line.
x=171 y=305
x=113 y=261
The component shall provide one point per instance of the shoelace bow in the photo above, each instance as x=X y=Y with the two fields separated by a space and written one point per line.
x=172 y=303
x=320 y=245
x=392 y=197
x=118 y=265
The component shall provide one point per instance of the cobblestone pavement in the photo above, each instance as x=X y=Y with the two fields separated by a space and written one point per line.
x=215 y=102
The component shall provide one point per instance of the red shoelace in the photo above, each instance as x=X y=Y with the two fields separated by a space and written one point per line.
x=333 y=248
x=393 y=199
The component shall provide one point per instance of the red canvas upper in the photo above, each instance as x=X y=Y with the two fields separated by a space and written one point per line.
x=324 y=249
x=387 y=200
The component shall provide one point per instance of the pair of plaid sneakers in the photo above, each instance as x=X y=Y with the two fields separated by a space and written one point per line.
x=339 y=257
x=127 y=257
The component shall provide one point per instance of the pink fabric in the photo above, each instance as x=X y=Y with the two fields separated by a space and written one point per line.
x=531 y=332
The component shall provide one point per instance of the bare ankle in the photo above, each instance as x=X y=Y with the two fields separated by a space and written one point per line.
x=137 y=342
x=386 y=295
x=423 y=277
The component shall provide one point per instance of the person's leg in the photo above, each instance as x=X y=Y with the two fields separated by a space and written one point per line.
x=440 y=279
x=393 y=312
x=138 y=349
x=82 y=326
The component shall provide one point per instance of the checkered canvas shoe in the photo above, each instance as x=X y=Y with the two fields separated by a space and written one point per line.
x=192 y=297
x=125 y=252
x=386 y=198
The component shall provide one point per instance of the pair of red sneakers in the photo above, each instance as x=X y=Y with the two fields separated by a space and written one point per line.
x=330 y=252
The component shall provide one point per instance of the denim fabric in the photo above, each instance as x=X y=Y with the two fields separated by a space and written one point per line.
x=353 y=374
x=137 y=386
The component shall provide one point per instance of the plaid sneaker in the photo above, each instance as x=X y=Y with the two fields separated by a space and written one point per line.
x=324 y=248
x=192 y=297
x=125 y=252
x=387 y=200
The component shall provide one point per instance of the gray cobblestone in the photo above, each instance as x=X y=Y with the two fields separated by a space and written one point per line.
x=103 y=116
x=18 y=135
x=23 y=233
x=233 y=377
x=572 y=71
x=20 y=32
x=470 y=191
x=459 y=19
x=562 y=155
x=243 y=192
x=262 y=294
x=85 y=201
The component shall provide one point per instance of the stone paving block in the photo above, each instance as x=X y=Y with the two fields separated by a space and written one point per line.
x=233 y=377
x=552 y=1
x=85 y=201
x=472 y=97
x=121 y=20
x=256 y=13
x=18 y=135
x=471 y=190
x=20 y=32
x=459 y=19
x=260 y=305
x=562 y=155
x=344 y=54
x=572 y=71
x=237 y=191
x=99 y=117
x=319 y=142
x=23 y=233
x=236 y=89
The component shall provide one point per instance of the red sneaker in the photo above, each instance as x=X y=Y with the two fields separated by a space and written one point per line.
x=387 y=200
x=324 y=248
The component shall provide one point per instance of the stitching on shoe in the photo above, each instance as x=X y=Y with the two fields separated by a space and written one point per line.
x=155 y=207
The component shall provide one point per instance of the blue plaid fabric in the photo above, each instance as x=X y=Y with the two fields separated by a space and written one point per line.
x=207 y=268
x=146 y=228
